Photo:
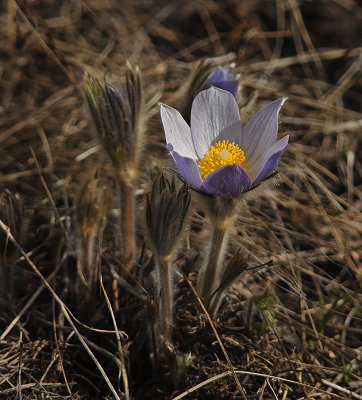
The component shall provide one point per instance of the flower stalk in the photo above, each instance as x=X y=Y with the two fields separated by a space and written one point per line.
x=222 y=212
x=212 y=268
x=127 y=223
x=166 y=298
x=92 y=205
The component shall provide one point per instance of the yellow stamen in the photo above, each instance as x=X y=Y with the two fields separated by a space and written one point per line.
x=220 y=154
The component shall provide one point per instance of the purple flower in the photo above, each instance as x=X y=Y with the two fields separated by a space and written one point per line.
x=217 y=155
x=224 y=78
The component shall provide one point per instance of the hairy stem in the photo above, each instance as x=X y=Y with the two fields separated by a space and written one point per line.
x=127 y=223
x=166 y=309
x=212 y=268
x=88 y=261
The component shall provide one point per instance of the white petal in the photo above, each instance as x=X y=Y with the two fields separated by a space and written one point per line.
x=212 y=111
x=177 y=132
x=261 y=131
x=232 y=133
x=257 y=166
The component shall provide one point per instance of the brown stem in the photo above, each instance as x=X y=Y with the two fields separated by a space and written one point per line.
x=166 y=314
x=89 y=243
x=127 y=223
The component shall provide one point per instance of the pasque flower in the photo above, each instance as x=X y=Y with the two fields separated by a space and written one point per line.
x=217 y=155
x=224 y=78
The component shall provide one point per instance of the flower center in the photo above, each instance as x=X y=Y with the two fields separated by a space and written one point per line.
x=220 y=154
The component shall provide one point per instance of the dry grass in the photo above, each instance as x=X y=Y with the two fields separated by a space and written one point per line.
x=290 y=329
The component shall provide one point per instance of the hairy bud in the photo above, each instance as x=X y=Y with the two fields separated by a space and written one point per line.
x=117 y=112
x=166 y=210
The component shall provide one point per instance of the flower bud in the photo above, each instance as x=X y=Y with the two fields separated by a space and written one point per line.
x=117 y=112
x=224 y=78
x=166 y=211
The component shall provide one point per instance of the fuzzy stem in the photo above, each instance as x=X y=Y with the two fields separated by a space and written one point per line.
x=88 y=261
x=211 y=270
x=127 y=209
x=166 y=309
